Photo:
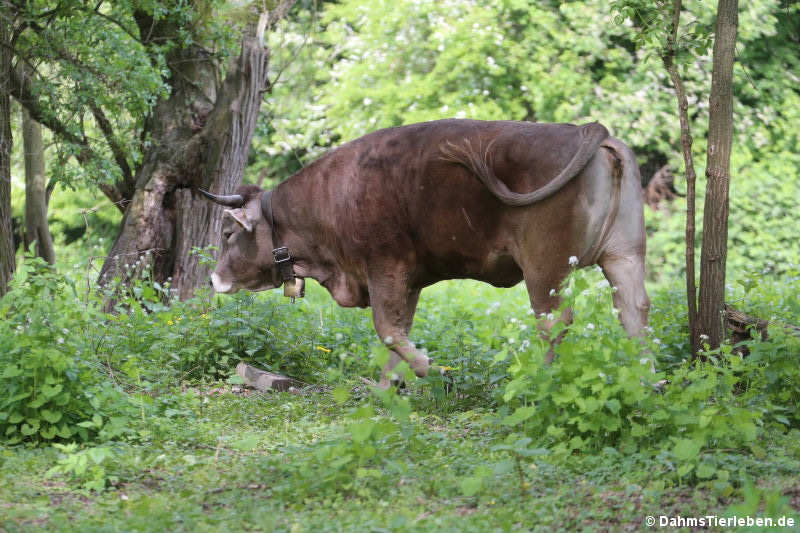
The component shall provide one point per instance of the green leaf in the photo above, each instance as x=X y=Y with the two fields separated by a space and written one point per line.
x=519 y=415
x=246 y=444
x=38 y=402
x=613 y=405
x=48 y=391
x=502 y=355
x=48 y=433
x=12 y=371
x=471 y=485
x=686 y=449
x=685 y=469
x=360 y=431
x=341 y=394
x=705 y=470
x=51 y=416
x=99 y=454
x=64 y=431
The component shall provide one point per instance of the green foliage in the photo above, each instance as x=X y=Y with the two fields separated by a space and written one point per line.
x=600 y=391
x=359 y=67
x=50 y=384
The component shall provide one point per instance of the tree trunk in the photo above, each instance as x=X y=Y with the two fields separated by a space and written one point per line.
x=720 y=139
x=686 y=147
x=6 y=238
x=36 y=227
x=200 y=138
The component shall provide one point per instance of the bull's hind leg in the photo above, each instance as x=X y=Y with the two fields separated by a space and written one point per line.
x=393 y=305
x=543 y=293
x=626 y=273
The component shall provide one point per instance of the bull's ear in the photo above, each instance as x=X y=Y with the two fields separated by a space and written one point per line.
x=239 y=216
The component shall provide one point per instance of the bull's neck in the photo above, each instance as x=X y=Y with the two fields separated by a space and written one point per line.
x=290 y=220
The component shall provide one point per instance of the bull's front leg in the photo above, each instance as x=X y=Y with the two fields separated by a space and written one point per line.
x=393 y=305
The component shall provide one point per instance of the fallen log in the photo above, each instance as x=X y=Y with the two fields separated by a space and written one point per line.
x=263 y=380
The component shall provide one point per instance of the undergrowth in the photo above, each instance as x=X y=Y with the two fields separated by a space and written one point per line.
x=118 y=395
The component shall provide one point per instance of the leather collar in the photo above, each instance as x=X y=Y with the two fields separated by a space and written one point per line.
x=284 y=261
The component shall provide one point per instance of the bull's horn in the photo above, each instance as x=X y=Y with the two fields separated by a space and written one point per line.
x=230 y=200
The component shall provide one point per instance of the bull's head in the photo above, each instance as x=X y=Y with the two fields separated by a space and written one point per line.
x=245 y=258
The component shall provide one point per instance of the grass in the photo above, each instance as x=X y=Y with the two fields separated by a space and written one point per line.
x=206 y=456
x=217 y=467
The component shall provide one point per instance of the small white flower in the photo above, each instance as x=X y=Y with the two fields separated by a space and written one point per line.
x=524 y=345
x=388 y=340
x=339 y=336
x=511 y=341
x=657 y=340
x=648 y=329
x=703 y=337
x=552 y=292
x=523 y=327
x=589 y=326
x=644 y=360
x=65 y=331
x=602 y=375
x=551 y=316
x=367 y=101
x=602 y=284
x=573 y=260
x=60 y=340
x=513 y=320
x=568 y=291
x=598 y=268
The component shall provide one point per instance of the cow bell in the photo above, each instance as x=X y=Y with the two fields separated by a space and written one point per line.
x=294 y=288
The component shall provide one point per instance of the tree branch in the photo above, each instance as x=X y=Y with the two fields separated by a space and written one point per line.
x=20 y=89
x=119 y=152
x=668 y=58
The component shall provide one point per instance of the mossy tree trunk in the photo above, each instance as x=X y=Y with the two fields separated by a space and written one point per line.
x=200 y=138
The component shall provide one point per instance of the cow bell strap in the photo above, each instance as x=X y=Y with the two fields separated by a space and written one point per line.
x=284 y=261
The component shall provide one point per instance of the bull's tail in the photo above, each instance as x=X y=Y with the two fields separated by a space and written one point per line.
x=479 y=162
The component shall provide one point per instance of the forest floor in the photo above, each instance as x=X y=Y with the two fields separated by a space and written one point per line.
x=218 y=460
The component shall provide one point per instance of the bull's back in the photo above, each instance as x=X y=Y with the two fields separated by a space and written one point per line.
x=393 y=195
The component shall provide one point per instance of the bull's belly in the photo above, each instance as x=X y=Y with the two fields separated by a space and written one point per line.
x=499 y=270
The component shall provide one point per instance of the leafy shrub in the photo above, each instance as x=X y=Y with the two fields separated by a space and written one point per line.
x=50 y=384
x=600 y=391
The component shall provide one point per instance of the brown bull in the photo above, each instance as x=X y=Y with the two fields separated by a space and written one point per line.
x=381 y=217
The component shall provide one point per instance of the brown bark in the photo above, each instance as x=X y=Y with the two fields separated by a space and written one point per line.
x=200 y=139
x=686 y=147
x=720 y=139
x=6 y=238
x=36 y=228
